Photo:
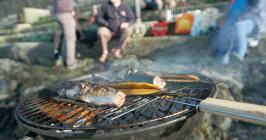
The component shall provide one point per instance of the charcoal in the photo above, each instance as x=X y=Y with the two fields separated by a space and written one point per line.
x=101 y=119
x=135 y=126
x=103 y=122
x=100 y=132
x=78 y=131
x=160 y=114
x=116 y=122
x=116 y=130
x=137 y=111
x=148 y=111
x=142 y=118
x=193 y=102
x=177 y=106
x=174 y=109
x=164 y=108
x=121 y=122
x=129 y=117
x=163 y=103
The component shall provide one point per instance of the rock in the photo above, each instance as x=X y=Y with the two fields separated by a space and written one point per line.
x=6 y=89
x=32 y=15
x=33 y=90
x=30 y=53
x=7 y=65
x=226 y=124
x=224 y=92
x=4 y=84
x=21 y=27
x=13 y=6
x=13 y=71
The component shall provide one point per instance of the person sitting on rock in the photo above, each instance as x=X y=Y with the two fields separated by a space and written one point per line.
x=115 y=18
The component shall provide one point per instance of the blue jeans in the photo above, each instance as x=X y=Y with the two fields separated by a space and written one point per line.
x=244 y=28
x=234 y=39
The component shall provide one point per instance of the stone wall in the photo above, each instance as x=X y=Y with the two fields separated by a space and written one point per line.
x=14 y=6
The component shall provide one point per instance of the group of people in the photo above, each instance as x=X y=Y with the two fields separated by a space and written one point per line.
x=114 y=18
x=239 y=28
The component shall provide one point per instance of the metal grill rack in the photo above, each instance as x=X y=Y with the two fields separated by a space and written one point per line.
x=46 y=113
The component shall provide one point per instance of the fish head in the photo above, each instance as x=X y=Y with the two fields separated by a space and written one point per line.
x=159 y=82
x=120 y=98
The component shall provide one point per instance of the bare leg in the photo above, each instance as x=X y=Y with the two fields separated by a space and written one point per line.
x=124 y=39
x=105 y=36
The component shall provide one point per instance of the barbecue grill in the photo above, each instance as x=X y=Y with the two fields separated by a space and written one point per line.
x=141 y=117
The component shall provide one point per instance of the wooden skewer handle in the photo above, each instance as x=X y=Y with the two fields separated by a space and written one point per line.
x=241 y=111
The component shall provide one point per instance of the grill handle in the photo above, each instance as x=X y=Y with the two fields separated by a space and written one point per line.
x=240 y=111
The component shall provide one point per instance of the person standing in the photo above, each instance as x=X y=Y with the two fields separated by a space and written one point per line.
x=240 y=28
x=65 y=13
x=115 y=18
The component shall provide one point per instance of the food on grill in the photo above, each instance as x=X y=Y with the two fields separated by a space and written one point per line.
x=149 y=76
x=91 y=93
x=135 y=85
x=185 y=78
x=139 y=91
x=139 y=76
x=55 y=111
x=159 y=82
x=136 y=88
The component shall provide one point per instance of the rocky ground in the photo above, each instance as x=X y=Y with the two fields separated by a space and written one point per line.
x=240 y=81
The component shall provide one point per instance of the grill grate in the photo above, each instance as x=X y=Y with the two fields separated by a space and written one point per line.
x=45 y=110
x=57 y=112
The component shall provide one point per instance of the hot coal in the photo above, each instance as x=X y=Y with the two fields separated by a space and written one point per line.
x=129 y=117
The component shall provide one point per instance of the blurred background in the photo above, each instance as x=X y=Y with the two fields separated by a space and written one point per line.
x=29 y=34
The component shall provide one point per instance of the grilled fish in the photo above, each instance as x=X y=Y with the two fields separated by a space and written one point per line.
x=148 y=76
x=91 y=93
x=135 y=76
x=136 y=88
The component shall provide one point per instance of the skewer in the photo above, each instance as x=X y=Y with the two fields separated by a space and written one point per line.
x=236 y=110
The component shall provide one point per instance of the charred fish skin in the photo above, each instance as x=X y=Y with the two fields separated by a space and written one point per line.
x=91 y=93
x=137 y=76
x=101 y=95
